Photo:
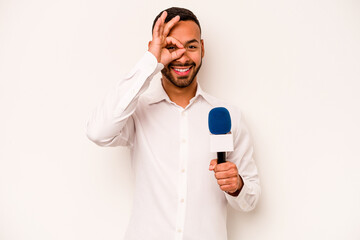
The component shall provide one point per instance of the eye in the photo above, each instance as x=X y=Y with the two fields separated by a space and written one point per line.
x=192 y=48
x=170 y=47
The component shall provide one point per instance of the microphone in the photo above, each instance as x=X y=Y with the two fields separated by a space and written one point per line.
x=221 y=139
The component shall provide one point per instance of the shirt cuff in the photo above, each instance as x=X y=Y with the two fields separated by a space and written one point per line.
x=159 y=66
x=239 y=202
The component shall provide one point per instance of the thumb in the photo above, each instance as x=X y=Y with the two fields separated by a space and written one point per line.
x=177 y=54
x=212 y=164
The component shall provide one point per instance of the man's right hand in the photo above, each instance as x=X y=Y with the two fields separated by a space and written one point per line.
x=165 y=48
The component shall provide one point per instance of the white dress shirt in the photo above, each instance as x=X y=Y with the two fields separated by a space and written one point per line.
x=176 y=196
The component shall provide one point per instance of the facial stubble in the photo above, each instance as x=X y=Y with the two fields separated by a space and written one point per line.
x=178 y=81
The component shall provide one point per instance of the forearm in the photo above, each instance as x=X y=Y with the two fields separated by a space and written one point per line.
x=109 y=118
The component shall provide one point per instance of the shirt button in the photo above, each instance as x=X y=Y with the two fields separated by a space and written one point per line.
x=182 y=200
x=179 y=230
x=183 y=140
x=183 y=170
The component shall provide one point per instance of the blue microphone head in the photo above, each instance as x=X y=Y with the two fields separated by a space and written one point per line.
x=219 y=121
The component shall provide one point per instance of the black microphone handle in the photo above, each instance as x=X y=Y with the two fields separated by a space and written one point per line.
x=221 y=157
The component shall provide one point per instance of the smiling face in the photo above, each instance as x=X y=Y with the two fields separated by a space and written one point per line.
x=182 y=72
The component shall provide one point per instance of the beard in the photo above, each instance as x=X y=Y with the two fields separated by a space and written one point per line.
x=181 y=81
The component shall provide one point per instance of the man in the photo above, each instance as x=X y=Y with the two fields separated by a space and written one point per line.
x=176 y=196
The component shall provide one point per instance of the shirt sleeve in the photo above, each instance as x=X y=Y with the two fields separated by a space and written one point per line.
x=112 y=124
x=242 y=156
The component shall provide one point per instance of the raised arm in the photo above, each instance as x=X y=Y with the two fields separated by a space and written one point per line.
x=112 y=124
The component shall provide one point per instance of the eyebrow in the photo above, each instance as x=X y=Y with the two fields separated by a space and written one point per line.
x=191 y=41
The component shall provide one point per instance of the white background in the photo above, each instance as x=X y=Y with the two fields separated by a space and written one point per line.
x=292 y=66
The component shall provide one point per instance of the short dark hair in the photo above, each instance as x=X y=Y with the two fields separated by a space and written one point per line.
x=185 y=15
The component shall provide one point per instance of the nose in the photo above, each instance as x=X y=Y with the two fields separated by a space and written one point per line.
x=184 y=58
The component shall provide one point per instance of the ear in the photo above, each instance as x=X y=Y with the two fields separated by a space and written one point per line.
x=149 y=44
x=202 y=48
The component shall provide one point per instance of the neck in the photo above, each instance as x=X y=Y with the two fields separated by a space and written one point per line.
x=180 y=96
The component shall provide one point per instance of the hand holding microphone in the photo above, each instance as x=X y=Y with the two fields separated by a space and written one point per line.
x=227 y=176
x=221 y=141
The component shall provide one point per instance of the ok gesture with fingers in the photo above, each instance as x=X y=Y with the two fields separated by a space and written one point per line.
x=161 y=41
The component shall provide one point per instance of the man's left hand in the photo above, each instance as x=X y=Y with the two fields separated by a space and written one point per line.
x=227 y=177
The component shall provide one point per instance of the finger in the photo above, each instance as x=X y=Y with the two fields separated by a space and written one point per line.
x=223 y=182
x=225 y=166
x=162 y=22
x=228 y=188
x=157 y=28
x=227 y=181
x=164 y=15
x=212 y=164
x=227 y=174
x=173 y=41
x=177 y=54
x=170 y=24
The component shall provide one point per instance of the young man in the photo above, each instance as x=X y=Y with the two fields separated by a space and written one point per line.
x=176 y=195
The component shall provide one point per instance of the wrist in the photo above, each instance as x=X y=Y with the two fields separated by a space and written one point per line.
x=238 y=190
x=156 y=54
x=234 y=194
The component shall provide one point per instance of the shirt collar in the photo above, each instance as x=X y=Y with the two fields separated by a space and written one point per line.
x=158 y=94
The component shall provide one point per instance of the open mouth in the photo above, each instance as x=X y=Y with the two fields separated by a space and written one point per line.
x=181 y=71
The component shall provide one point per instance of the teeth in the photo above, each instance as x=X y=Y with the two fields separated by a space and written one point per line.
x=181 y=69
